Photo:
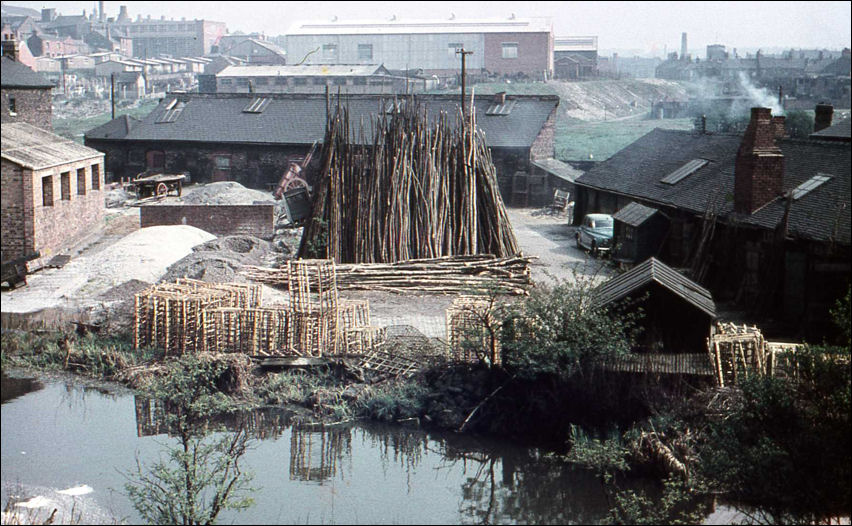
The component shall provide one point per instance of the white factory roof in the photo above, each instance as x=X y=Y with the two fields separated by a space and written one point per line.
x=422 y=26
x=311 y=70
x=575 y=44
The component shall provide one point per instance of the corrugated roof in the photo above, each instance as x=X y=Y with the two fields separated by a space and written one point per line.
x=388 y=27
x=634 y=214
x=821 y=215
x=300 y=118
x=308 y=70
x=16 y=75
x=650 y=271
x=34 y=148
x=575 y=44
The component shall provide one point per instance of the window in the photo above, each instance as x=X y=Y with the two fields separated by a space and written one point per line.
x=280 y=81
x=223 y=162
x=96 y=177
x=510 y=49
x=329 y=51
x=81 y=181
x=225 y=82
x=47 y=190
x=257 y=105
x=339 y=81
x=365 y=51
x=453 y=47
x=66 y=186
x=243 y=83
x=300 y=81
x=13 y=106
x=815 y=181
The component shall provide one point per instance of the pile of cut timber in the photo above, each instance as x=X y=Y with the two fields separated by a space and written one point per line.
x=416 y=189
x=451 y=275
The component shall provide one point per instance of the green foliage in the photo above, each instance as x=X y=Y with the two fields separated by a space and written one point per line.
x=558 y=330
x=674 y=506
x=784 y=446
x=799 y=123
x=395 y=401
x=840 y=314
x=202 y=475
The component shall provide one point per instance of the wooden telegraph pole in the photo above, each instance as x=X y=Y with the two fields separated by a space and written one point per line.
x=463 y=53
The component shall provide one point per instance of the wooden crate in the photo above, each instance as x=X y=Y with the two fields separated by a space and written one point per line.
x=257 y=332
x=468 y=337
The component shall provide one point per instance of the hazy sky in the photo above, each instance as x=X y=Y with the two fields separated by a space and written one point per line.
x=647 y=26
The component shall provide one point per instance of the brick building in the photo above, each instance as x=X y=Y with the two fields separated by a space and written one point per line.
x=26 y=95
x=250 y=138
x=502 y=47
x=52 y=192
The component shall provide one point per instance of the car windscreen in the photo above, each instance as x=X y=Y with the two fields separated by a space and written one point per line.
x=602 y=223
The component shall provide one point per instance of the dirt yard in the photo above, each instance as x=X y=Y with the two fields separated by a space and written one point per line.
x=118 y=259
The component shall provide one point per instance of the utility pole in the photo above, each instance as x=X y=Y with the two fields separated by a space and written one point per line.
x=463 y=53
x=112 y=93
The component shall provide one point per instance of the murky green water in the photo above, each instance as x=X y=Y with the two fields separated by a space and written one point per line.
x=57 y=435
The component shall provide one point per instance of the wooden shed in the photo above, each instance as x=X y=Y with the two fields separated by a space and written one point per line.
x=639 y=232
x=677 y=312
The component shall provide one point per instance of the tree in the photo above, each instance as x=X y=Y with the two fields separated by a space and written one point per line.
x=202 y=475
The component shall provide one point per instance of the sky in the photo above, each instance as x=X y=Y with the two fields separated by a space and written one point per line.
x=646 y=27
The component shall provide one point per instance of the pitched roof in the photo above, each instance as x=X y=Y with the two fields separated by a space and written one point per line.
x=117 y=128
x=16 y=75
x=559 y=169
x=821 y=215
x=839 y=131
x=34 y=148
x=650 y=271
x=634 y=214
x=300 y=118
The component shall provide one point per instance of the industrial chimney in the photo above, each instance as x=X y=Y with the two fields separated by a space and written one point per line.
x=683 y=46
x=759 y=166
x=101 y=12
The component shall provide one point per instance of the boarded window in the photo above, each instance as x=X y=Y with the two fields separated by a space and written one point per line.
x=365 y=51
x=96 y=177
x=280 y=81
x=13 y=105
x=66 y=186
x=47 y=190
x=81 y=181
x=510 y=49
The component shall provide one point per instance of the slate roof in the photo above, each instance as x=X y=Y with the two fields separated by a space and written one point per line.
x=555 y=167
x=34 y=148
x=117 y=128
x=838 y=131
x=634 y=214
x=300 y=118
x=821 y=215
x=16 y=75
x=650 y=271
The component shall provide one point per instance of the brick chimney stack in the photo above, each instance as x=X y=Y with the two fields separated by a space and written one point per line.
x=780 y=128
x=759 y=168
x=500 y=98
x=822 y=116
x=9 y=47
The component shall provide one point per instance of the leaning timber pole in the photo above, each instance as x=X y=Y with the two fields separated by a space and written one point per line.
x=463 y=53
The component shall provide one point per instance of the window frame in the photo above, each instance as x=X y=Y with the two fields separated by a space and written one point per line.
x=81 y=181
x=504 y=46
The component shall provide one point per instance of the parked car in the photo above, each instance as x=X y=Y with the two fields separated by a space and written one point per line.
x=595 y=233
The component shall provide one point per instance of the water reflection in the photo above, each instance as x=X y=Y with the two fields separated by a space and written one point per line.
x=11 y=388
x=315 y=454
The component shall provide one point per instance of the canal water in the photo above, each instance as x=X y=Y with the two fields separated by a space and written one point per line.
x=68 y=446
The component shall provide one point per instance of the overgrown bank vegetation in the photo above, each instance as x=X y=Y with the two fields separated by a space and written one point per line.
x=778 y=446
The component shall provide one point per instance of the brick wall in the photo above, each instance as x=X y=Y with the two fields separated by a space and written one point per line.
x=542 y=147
x=32 y=106
x=534 y=54
x=12 y=231
x=220 y=220
x=56 y=228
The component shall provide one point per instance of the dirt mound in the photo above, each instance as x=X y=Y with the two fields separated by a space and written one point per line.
x=116 y=198
x=124 y=290
x=607 y=99
x=220 y=259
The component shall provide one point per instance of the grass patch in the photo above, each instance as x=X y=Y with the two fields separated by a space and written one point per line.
x=576 y=142
x=75 y=127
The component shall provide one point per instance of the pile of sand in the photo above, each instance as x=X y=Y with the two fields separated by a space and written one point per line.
x=219 y=260
x=225 y=193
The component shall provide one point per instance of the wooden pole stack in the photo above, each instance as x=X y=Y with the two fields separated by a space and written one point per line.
x=448 y=274
x=416 y=190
